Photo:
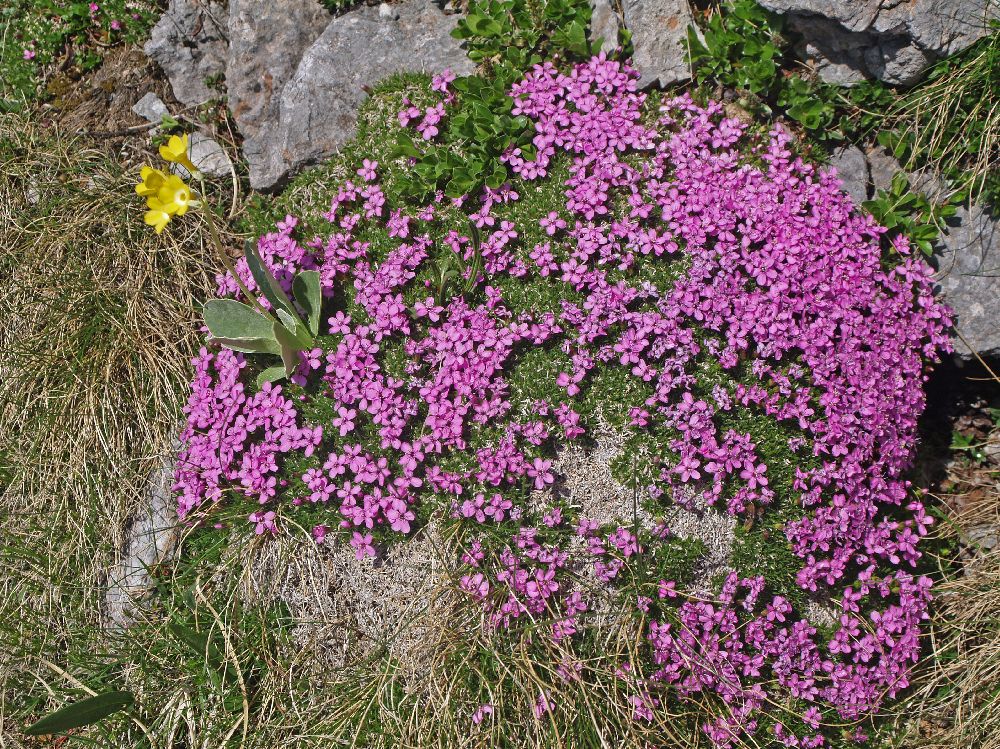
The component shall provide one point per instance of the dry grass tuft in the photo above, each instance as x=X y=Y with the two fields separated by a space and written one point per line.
x=96 y=330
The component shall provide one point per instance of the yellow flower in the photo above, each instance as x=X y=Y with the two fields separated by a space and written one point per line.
x=176 y=150
x=175 y=197
x=152 y=181
x=156 y=216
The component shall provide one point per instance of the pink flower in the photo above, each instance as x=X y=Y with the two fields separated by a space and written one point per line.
x=481 y=712
x=264 y=522
x=552 y=223
x=367 y=170
x=28 y=54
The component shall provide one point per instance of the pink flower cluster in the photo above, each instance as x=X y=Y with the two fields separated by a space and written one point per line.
x=781 y=280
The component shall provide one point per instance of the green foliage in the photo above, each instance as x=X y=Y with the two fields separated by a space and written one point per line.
x=903 y=211
x=742 y=48
x=81 y=713
x=243 y=328
x=37 y=34
x=505 y=37
x=513 y=35
x=950 y=121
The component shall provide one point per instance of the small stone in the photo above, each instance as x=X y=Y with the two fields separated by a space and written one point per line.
x=659 y=39
x=986 y=536
x=152 y=540
x=150 y=108
x=206 y=154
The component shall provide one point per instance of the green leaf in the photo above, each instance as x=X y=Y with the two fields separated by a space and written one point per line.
x=233 y=320
x=405 y=147
x=266 y=282
x=250 y=345
x=483 y=26
x=271 y=374
x=82 y=713
x=290 y=321
x=290 y=347
x=306 y=288
x=199 y=642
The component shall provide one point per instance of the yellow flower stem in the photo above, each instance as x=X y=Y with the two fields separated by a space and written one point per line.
x=209 y=213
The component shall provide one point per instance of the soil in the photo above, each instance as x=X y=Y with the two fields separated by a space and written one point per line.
x=100 y=102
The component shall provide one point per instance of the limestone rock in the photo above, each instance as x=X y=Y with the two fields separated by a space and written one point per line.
x=659 y=39
x=604 y=24
x=189 y=43
x=317 y=112
x=969 y=276
x=152 y=540
x=852 y=168
x=150 y=108
x=266 y=44
x=851 y=40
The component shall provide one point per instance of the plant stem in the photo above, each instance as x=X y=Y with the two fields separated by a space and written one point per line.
x=223 y=255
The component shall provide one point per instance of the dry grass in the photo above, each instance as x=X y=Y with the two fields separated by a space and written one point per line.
x=954 y=117
x=96 y=330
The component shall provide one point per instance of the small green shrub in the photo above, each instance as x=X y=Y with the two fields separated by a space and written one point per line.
x=742 y=47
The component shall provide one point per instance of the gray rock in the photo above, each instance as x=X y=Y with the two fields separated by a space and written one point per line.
x=150 y=108
x=604 y=24
x=206 y=154
x=152 y=540
x=189 y=43
x=852 y=169
x=969 y=277
x=985 y=537
x=967 y=260
x=659 y=39
x=318 y=107
x=266 y=43
x=850 y=40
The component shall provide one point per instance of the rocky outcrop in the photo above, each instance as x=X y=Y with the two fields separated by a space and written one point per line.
x=659 y=39
x=295 y=75
x=189 y=42
x=851 y=40
x=318 y=106
x=266 y=43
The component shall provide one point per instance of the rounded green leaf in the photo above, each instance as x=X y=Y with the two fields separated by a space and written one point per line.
x=228 y=318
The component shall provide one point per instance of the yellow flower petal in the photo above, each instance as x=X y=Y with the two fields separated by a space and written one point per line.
x=176 y=150
x=175 y=196
x=152 y=181
x=158 y=219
